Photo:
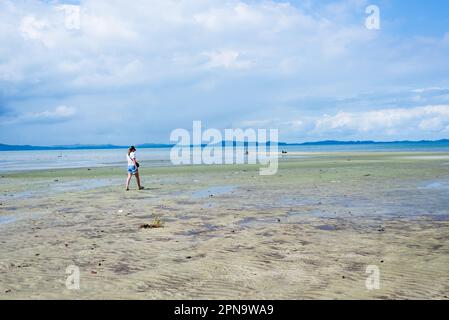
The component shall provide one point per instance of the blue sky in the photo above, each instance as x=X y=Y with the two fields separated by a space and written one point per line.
x=131 y=72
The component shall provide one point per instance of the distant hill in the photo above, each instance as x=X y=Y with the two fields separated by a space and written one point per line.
x=154 y=145
x=335 y=142
x=5 y=147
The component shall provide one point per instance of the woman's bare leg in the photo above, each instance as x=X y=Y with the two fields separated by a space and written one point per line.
x=128 y=180
x=138 y=180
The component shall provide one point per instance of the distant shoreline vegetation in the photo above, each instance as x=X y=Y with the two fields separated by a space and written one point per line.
x=6 y=147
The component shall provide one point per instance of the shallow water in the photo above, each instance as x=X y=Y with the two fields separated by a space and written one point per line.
x=58 y=159
x=82 y=185
x=7 y=219
x=52 y=159
x=326 y=227
x=57 y=187
x=435 y=185
x=296 y=215
x=213 y=191
x=257 y=222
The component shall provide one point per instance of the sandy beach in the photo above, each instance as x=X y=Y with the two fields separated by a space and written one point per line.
x=308 y=232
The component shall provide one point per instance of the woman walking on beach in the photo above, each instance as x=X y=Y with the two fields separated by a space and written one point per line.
x=133 y=167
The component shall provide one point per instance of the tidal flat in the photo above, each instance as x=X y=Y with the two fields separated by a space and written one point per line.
x=309 y=232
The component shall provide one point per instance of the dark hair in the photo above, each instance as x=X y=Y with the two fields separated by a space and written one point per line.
x=131 y=149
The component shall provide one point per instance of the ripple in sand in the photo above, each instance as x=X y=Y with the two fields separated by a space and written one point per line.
x=257 y=222
x=124 y=269
x=292 y=217
x=205 y=229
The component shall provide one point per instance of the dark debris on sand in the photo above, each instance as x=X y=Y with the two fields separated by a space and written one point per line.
x=150 y=226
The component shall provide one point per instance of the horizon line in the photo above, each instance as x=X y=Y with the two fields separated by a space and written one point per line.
x=12 y=147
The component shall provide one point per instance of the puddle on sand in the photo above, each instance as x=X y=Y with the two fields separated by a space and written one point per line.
x=50 y=188
x=297 y=201
x=81 y=185
x=7 y=219
x=258 y=222
x=204 y=229
x=438 y=217
x=208 y=205
x=435 y=185
x=30 y=217
x=300 y=215
x=9 y=208
x=326 y=227
x=213 y=191
x=291 y=217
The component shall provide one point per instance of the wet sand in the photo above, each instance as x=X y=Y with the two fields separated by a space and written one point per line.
x=308 y=232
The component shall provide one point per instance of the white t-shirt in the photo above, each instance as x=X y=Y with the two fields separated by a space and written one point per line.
x=130 y=158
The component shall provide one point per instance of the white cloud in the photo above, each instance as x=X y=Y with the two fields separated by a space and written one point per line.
x=228 y=59
x=218 y=61
x=33 y=28
x=385 y=122
x=59 y=114
x=236 y=14
x=233 y=35
x=430 y=122
x=424 y=90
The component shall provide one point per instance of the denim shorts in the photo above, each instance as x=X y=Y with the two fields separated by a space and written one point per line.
x=132 y=169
